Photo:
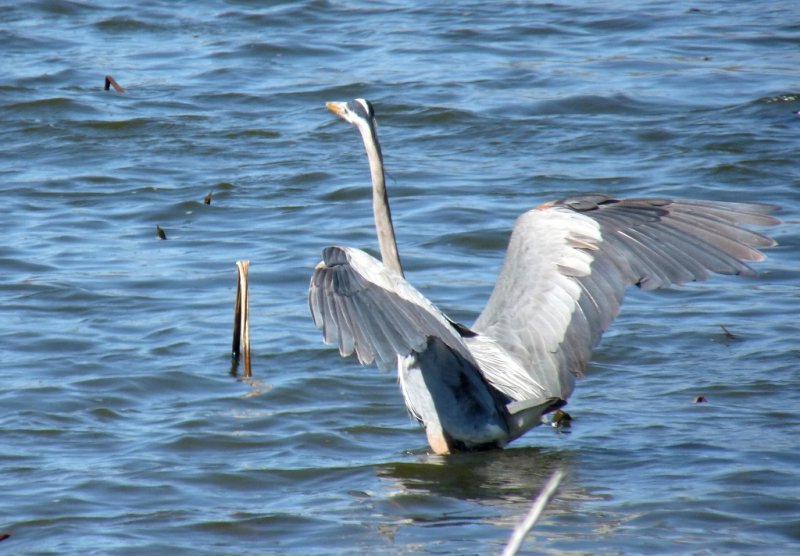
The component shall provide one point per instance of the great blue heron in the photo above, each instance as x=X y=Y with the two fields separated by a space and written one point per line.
x=567 y=266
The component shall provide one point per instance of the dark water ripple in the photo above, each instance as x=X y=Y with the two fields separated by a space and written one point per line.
x=123 y=430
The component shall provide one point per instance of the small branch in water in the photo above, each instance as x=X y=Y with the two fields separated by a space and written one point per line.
x=161 y=233
x=536 y=510
x=241 y=319
x=728 y=334
x=111 y=82
x=207 y=198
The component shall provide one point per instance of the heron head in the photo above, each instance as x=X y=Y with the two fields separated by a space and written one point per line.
x=353 y=112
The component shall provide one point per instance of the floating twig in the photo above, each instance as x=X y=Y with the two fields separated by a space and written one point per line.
x=207 y=198
x=728 y=334
x=111 y=82
x=241 y=319
x=536 y=510
x=161 y=233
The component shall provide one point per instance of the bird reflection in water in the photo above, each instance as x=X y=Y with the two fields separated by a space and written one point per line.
x=446 y=490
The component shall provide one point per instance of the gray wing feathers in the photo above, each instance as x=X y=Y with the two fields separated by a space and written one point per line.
x=534 y=312
x=370 y=310
x=584 y=251
x=664 y=242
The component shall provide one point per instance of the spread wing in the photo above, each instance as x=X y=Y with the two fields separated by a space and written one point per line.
x=372 y=311
x=569 y=262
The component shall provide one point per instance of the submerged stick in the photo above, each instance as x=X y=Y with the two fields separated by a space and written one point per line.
x=111 y=82
x=241 y=319
x=536 y=510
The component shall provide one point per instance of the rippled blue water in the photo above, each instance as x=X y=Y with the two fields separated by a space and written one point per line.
x=122 y=429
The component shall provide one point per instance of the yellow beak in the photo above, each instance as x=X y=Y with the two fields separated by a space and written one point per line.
x=336 y=107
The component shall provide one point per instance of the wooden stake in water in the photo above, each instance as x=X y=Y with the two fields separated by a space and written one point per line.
x=241 y=319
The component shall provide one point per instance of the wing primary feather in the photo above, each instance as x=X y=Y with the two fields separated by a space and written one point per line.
x=649 y=274
x=672 y=266
x=741 y=214
x=718 y=234
x=728 y=227
x=684 y=256
x=709 y=256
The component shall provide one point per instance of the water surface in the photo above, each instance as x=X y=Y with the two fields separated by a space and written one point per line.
x=123 y=431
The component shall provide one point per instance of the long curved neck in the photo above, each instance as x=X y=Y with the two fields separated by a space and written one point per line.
x=380 y=202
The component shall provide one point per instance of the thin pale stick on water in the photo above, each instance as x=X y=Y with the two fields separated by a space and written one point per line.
x=536 y=510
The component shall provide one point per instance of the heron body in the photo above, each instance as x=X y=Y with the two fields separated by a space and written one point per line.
x=566 y=269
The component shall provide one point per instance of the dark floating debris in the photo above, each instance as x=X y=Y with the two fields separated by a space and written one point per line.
x=700 y=399
x=241 y=321
x=207 y=198
x=161 y=233
x=728 y=334
x=4 y=536
x=111 y=82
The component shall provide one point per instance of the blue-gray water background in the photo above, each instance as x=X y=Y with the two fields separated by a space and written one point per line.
x=122 y=430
